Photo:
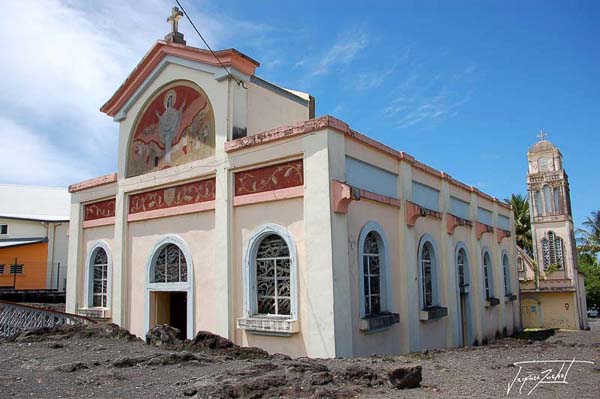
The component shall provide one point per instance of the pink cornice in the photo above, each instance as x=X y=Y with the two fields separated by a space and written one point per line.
x=267 y=196
x=452 y=222
x=98 y=222
x=95 y=182
x=161 y=49
x=482 y=228
x=414 y=212
x=501 y=234
x=343 y=194
x=329 y=122
x=175 y=211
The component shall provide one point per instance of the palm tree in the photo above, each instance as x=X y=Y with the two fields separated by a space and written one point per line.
x=589 y=236
x=520 y=205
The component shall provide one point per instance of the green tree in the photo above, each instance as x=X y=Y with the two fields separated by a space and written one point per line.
x=588 y=265
x=520 y=205
x=588 y=237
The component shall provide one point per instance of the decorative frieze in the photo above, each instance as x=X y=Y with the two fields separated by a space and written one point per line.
x=99 y=210
x=270 y=178
x=170 y=197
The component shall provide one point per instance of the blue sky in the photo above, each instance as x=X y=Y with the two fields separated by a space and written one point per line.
x=464 y=86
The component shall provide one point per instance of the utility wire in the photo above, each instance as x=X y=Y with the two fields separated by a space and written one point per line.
x=238 y=81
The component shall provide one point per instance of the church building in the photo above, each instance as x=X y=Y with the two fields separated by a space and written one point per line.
x=234 y=210
x=552 y=288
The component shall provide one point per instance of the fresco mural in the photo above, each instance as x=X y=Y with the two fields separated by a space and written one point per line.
x=175 y=128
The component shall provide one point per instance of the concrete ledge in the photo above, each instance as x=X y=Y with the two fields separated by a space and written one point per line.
x=379 y=322
x=268 y=325
x=491 y=302
x=433 y=313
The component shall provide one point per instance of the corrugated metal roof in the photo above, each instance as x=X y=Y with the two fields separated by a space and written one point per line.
x=34 y=202
x=23 y=241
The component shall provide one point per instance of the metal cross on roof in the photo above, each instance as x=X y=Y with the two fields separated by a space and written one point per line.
x=542 y=135
x=176 y=15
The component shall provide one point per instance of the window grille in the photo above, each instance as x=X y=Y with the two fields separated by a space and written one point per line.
x=372 y=274
x=460 y=262
x=170 y=265
x=16 y=269
x=486 y=275
x=505 y=267
x=427 y=274
x=100 y=279
x=552 y=251
x=273 y=292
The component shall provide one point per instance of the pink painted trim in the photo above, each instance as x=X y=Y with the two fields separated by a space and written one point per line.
x=481 y=229
x=341 y=196
x=98 y=222
x=384 y=199
x=501 y=234
x=414 y=212
x=95 y=182
x=161 y=49
x=267 y=196
x=329 y=122
x=174 y=211
x=452 y=222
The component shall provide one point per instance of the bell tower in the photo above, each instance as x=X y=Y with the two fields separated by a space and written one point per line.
x=550 y=211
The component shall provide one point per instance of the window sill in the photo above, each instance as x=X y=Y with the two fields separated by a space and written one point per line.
x=491 y=302
x=378 y=322
x=510 y=298
x=433 y=313
x=95 y=313
x=268 y=325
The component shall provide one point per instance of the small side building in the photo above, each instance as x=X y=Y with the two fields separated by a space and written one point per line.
x=34 y=226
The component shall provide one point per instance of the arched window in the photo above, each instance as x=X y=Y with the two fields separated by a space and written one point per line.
x=488 y=276
x=372 y=274
x=552 y=251
x=273 y=290
x=539 y=210
x=373 y=270
x=170 y=265
x=461 y=266
x=547 y=199
x=557 y=200
x=506 y=272
x=100 y=279
x=428 y=269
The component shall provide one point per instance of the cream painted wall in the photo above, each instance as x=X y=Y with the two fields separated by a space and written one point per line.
x=246 y=220
x=197 y=231
x=89 y=238
x=267 y=110
x=360 y=213
x=18 y=228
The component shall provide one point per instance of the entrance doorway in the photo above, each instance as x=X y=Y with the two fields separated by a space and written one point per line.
x=169 y=307
x=464 y=314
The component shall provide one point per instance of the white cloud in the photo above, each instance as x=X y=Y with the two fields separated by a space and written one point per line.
x=30 y=159
x=64 y=58
x=343 y=51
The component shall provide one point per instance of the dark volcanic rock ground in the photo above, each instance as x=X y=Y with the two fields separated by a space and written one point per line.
x=106 y=362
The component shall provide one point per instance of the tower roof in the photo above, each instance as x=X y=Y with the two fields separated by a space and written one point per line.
x=542 y=146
